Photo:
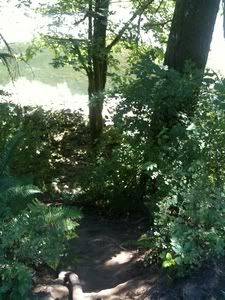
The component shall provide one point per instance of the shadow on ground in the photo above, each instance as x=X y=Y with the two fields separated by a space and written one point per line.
x=107 y=270
x=102 y=262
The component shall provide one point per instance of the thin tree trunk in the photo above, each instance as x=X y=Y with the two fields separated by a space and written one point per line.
x=98 y=58
x=95 y=112
x=97 y=78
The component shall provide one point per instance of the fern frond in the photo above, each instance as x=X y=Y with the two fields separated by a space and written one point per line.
x=18 y=197
x=7 y=58
x=8 y=151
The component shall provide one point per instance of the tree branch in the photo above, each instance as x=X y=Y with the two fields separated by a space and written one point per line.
x=81 y=58
x=160 y=23
x=82 y=19
x=90 y=35
x=139 y=11
x=6 y=44
x=75 y=47
x=6 y=57
x=158 y=8
x=68 y=39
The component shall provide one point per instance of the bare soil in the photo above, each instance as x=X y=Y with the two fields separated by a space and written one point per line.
x=103 y=260
x=109 y=269
x=106 y=262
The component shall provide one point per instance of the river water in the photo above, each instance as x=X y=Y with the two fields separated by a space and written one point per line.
x=35 y=93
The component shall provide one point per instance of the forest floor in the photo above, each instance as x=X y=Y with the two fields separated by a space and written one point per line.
x=106 y=262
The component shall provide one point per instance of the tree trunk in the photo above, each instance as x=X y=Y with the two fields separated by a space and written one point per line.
x=191 y=33
x=96 y=99
x=189 y=41
x=98 y=58
x=97 y=78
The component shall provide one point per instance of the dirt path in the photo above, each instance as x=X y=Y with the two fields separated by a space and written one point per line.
x=103 y=263
x=108 y=270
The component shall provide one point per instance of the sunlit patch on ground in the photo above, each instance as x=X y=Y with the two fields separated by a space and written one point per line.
x=121 y=258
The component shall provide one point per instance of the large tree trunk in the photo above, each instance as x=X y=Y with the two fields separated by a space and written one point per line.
x=97 y=78
x=191 y=33
x=189 y=41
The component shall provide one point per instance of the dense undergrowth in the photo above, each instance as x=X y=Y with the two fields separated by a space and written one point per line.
x=174 y=124
x=164 y=157
x=31 y=233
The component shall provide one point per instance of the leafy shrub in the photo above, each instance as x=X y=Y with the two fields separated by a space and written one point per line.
x=35 y=236
x=31 y=233
x=174 y=124
x=10 y=123
x=57 y=143
x=196 y=232
x=109 y=182
x=149 y=124
x=54 y=147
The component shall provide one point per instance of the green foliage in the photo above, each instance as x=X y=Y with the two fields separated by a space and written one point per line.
x=152 y=99
x=109 y=182
x=76 y=40
x=15 y=195
x=158 y=19
x=37 y=235
x=195 y=233
x=153 y=115
x=54 y=146
x=174 y=125
x=31 y=233
x=16 y=280
x=10 y=122
x=8 y=152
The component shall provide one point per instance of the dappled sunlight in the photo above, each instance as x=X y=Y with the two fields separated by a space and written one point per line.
x=122 y=258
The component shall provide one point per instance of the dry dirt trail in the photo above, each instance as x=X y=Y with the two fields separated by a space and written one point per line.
x=103 y=261
x=104 y=268
x=104 y=265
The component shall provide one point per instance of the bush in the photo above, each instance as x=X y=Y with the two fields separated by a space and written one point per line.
x=31 y=233
x=110 y=180
x=133 y=154
x=54 y=148
x=35 y=236
x=195 y=233
x=174 y=125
